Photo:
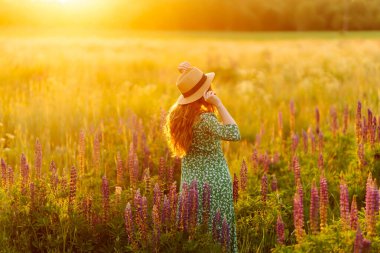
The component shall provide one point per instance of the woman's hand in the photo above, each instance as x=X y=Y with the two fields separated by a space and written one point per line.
x=210 y=97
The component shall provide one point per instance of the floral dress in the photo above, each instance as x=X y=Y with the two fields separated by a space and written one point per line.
x=205 y=162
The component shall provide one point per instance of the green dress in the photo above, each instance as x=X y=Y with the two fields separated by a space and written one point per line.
x=205 y=162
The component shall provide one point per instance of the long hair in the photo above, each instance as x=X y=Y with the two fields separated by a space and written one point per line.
x=179 y=123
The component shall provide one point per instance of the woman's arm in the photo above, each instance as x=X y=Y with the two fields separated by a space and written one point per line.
x=226 y=116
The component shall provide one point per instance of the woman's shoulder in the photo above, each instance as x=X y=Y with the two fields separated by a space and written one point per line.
x=204 y=117
x=207 y=114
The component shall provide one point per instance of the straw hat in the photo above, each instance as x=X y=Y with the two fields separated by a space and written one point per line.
x=192 y=83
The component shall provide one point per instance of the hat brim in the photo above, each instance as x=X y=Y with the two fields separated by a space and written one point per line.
x=199 y=93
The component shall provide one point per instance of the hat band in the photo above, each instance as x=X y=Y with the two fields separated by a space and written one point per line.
x=196 y=87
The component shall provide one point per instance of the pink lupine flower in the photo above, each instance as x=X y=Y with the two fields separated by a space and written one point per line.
x=119 y=170
x=106 y=200
x=143 y=218
x=274 y=185
x=314 y=208
x=364 y=130
x=366 y=245
x=10 y=177
x=296 y=168
x=354 y=214
x=316 y=121
x=344 y=205
x=369 y=122
x=206 y=202
x=173 y=199
x=334 y=120
x=243 y=176
x=38 y=161
x=170 y=175
x=298 y=217
x=216 y=225
x=361 y=156
x=320 y=142
x=162 y=171
x=24 y=174
x=157 y=196
x=184 y=206
x=193 y=208
x=166 y=211
x=235 y=188
x=73 y=188
x=3 y=173
x=299 y=190
x=128 y=221
x=147 y=180
x=133 y=166
x=358 y=244
x=264 y=187
x=156 y=228
x=96 y=152
x=254 y=159
x=280 y=230
x=225 y=234
x=305 y=141
x=295 y=141
x=359 y=122
x=371 y=205
x=323 y=201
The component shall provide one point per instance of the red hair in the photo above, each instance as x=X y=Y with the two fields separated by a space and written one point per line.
x=179 y=123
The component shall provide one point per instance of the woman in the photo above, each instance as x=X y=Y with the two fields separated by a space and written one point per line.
x=194 y=134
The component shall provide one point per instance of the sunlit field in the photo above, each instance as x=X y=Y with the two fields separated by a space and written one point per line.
x=86 y=167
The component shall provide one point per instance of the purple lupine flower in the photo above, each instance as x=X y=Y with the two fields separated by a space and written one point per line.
x=358 y=243
x=147 y=180
x=132 y=166
x=73 y=188
x=362 y=161
x=106 y=199
x=298 y=217
x=24 y=174
x=185 y=206
x=373 y=132
x=179 y=219
x=364 y=130
x=354 y=214
x=316 y=121
x=235 y=188
x=254 y=158
x=166 y=210
x=144 y=217
x=295 y=141
x=225 y=233
x=274 y=185
x=128 y=221
x=305 y=141
x=10 y=177
x=243 y=176
x=266 y=161
x=162 y=171
x=369 y=122
x=314 y=208
x=296 y=168
x=193 y=214
x=323 y=190
x=38 y=157
x=264 y=187
x=157 y=196
x=370 y=198
x=359 y=122
x=280 y=230
x=173 y=198
x=216 y=225
x=345 y=119
x=206 y=203
x=334 y=120
x=156 y=227
x=96 y=152
x=312 y=142
x=344 y=204
x=170 y=176
x=3 y=173
x=299 y=189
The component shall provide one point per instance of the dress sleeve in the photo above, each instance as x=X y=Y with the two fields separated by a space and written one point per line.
x=227 y=132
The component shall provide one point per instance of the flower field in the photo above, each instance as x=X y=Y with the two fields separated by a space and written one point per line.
x=85 y=166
